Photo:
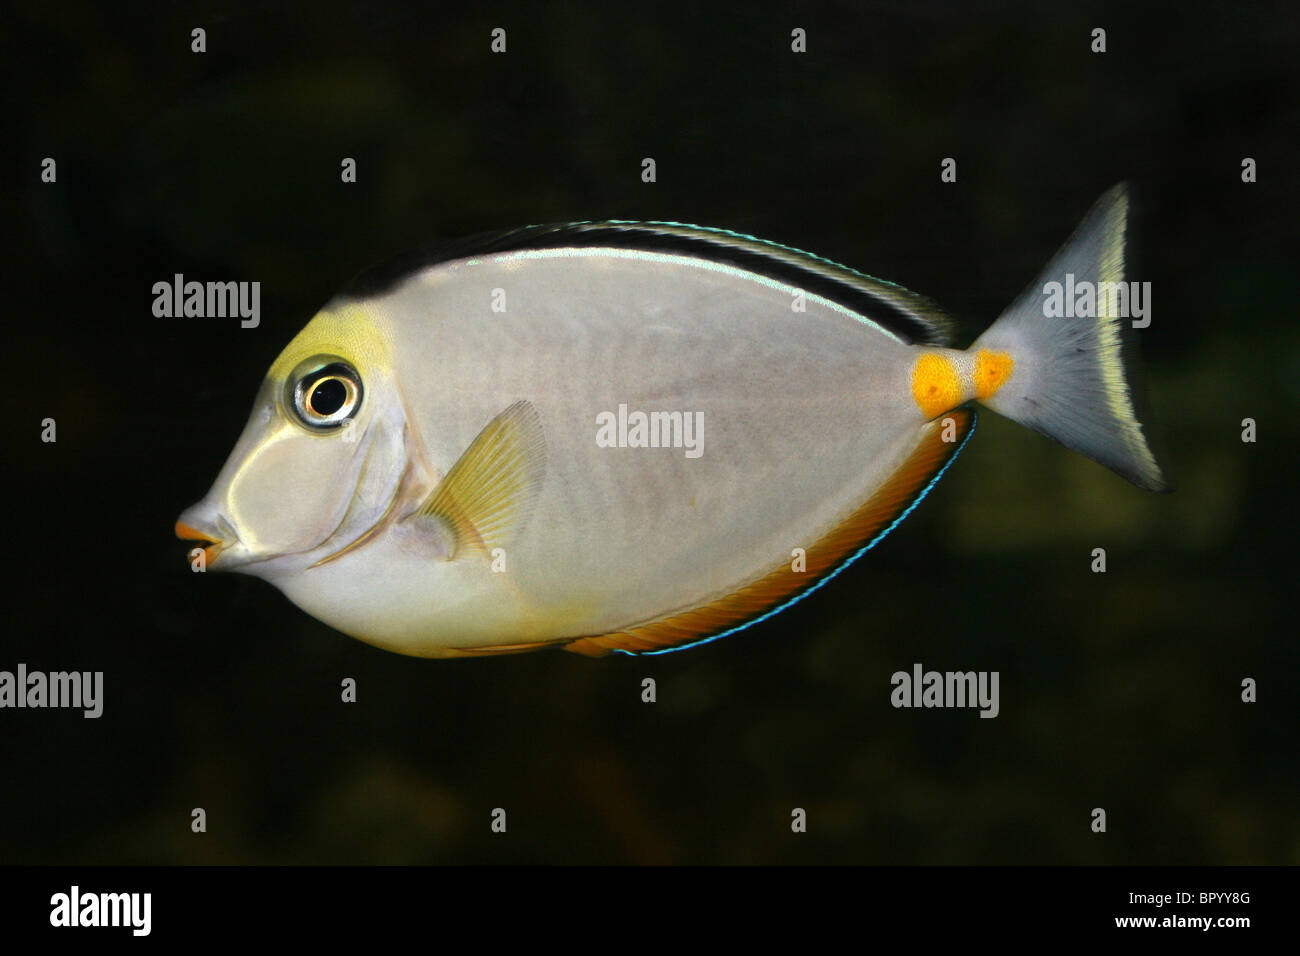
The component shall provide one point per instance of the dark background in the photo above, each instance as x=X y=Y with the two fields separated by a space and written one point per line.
x=1119 y=690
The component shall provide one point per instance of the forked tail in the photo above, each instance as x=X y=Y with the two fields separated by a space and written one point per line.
x=1060 y=360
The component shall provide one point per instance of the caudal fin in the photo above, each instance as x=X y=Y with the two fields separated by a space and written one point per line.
x=1066 y=375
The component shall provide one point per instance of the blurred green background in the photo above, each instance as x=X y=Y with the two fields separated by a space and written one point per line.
x=1118 y=690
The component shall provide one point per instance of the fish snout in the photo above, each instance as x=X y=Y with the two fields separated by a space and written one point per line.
x=195 y=528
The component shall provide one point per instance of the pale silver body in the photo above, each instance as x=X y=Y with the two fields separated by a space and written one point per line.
x=804 y=414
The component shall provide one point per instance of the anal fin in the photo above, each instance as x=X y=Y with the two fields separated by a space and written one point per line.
x=779 y=588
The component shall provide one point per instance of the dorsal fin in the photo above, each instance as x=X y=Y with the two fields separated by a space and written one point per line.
x=910 y=316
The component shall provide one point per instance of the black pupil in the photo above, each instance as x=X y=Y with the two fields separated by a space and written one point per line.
x=327 y=397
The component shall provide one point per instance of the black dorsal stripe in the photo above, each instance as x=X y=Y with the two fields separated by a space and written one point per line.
x=910 y=316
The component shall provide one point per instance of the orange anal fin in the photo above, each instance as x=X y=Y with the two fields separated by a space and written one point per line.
x=904 y=487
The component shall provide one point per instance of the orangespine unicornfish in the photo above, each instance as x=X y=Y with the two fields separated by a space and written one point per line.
x=632 y=436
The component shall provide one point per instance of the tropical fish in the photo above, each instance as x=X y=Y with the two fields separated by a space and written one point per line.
x=633 y=436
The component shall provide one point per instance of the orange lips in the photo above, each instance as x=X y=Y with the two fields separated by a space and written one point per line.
x=213 y=546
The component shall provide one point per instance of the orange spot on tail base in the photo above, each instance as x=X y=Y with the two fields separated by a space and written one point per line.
x=936 y=384
x=992 y=369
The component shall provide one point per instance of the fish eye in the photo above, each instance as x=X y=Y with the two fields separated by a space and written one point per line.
x=326 y=393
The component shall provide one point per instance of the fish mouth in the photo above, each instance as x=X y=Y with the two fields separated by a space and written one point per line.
x=210 y=543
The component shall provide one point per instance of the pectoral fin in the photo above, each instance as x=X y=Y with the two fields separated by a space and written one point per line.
x=488 y=495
